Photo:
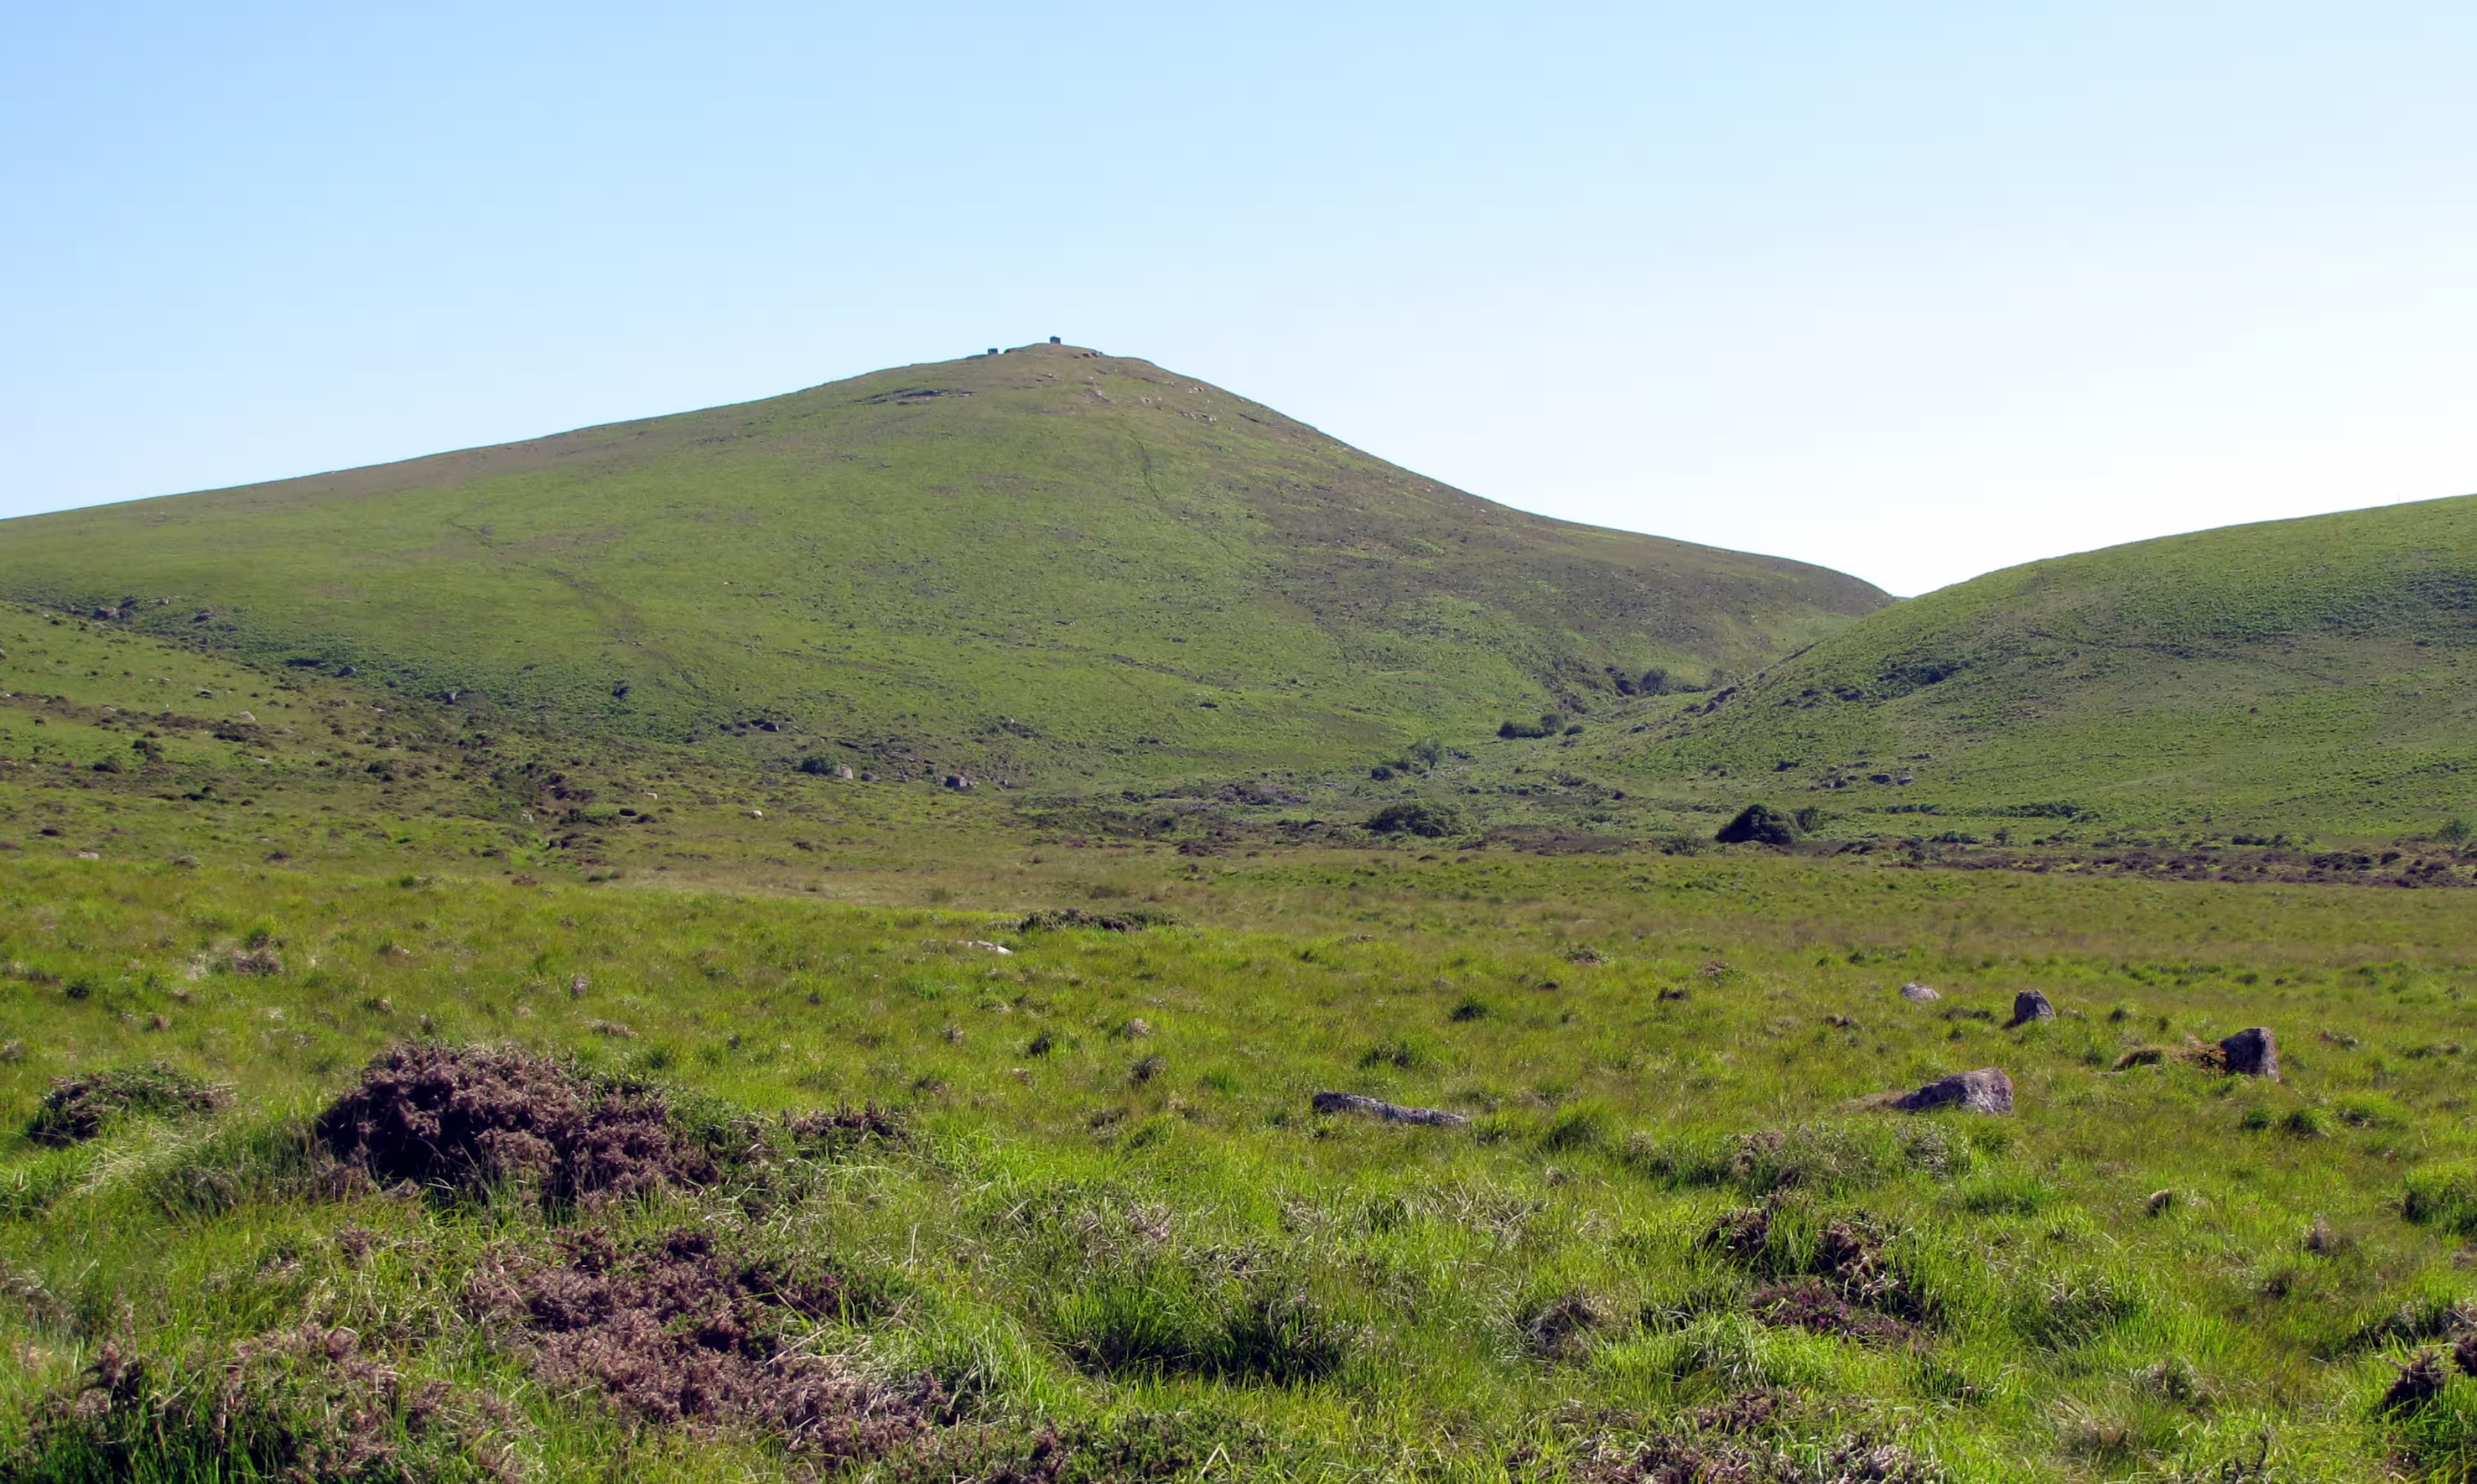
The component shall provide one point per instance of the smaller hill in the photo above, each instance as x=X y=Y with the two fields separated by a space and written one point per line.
x=2294 y=674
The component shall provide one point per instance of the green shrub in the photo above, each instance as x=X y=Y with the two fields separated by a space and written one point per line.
x=1164 y=1317
x=2076 y=1308
x=2369 y=1110
x=1418 y=817
x=2012 y=1193
x=1400 y=1052
x=2442 y=1195
x=1759 y=825
x=2306 y=1123
x=1580 y=1125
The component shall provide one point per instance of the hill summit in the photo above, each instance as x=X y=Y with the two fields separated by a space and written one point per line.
x=1021 y=561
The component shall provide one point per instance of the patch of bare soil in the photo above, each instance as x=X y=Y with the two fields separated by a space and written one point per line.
x=461 y=1119
x=682 y=1331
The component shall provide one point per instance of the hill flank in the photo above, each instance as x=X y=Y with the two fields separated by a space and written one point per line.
x=1039 y=561
x=2307 y=672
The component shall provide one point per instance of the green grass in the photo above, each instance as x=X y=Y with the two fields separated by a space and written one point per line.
x=1172 y=1264
x=1063 y=565
x=2297 y=675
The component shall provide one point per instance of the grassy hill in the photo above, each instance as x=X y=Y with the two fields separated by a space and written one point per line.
x=2307 y=673
x=1044 y=562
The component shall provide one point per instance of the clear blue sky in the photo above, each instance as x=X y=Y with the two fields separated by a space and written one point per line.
x=1916 y=290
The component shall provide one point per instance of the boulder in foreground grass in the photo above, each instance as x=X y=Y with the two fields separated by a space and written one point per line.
x=2030 y=1005
x=1919 y=994
x=2252 y=1053
x=1389 y=1112
x=462 y=1119
x=1985 y=1090
x=80 y=1108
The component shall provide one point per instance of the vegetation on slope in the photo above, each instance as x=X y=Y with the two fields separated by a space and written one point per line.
x=1044 y=562
x=2304 y=674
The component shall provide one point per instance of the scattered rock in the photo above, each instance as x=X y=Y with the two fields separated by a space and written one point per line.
x=2030 y=1005
x=994 y=948
x=1136 y=1030
x=1918 y=993
x=1985 y=1090
x=1389 y=1112
x=2252 y=1053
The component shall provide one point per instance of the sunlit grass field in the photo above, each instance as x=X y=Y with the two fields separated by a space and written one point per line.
x=1103 y=1221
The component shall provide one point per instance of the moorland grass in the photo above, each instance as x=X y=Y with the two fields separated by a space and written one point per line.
x=1671 y=1192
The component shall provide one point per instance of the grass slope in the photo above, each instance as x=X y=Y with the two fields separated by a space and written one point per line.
x=1043 y=562
x=2307 y=674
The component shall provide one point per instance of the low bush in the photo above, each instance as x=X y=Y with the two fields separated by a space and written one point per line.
x=1414 y=816
x=2442 y=1195
x=1172 y=1318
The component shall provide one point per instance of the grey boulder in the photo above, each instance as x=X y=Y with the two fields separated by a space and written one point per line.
x=1389 y=1112
x=1985 y=1090
x=2253 y=1053
x=2031 y=1006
